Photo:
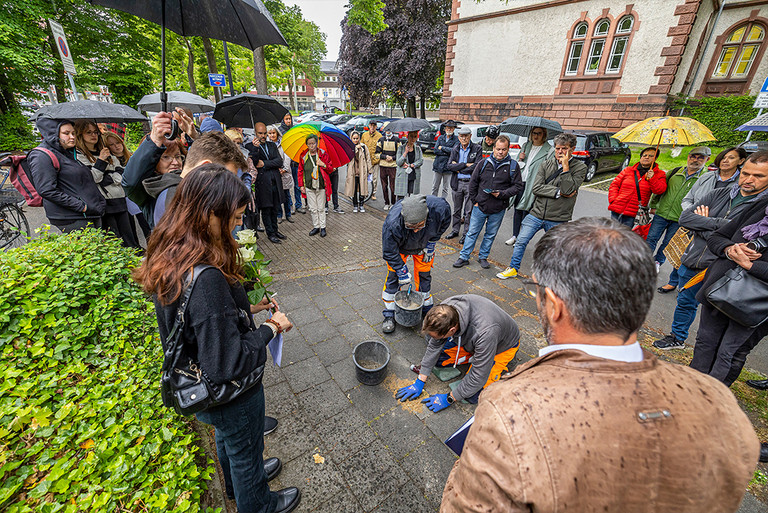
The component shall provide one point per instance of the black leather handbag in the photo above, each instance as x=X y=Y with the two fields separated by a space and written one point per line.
x=740 y=296
x=184 y=385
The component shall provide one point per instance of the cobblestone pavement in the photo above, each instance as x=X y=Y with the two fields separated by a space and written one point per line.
x=379 y=455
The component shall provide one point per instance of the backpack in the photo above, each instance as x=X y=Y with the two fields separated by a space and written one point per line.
x=21 y=177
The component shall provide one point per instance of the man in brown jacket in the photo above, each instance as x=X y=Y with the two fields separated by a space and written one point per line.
x=596 y=423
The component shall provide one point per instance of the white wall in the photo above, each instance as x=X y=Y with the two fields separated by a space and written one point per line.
x=523 y=54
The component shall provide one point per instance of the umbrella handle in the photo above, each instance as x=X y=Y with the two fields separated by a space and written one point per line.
x=175 y=131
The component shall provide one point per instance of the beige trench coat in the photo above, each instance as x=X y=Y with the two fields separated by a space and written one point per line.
x=359 y=166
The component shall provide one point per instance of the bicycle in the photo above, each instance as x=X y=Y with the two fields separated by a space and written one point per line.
x=14 y=227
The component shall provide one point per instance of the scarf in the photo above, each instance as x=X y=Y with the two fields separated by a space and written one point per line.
x=759 y=229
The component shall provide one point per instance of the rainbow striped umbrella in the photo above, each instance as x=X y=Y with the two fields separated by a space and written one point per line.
x=339 y=147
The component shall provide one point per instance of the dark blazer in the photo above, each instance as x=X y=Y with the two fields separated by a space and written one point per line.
x=443 y=155
x=268 y=185
x=454 y=166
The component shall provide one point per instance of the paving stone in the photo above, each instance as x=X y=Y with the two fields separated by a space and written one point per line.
x=322 y=401
x=438 y=459
x=373 y=314
x=345 y=434
x=315 y=287
x=348 y=288
x=446 y=373
x=344 y=502
x=295 y=349
x=318 y=482
x=410 y=348
x=306 y=374
x=408 y=499
x=334 y=350
x=272 y=374
x=372 y=475
x=280 y=400
x=293 y=437
x=320 y=330
x=372 y=401
x=343 y=373
x=341 y=315
x=306 y=316
x=358 y=331
x=444 y=423
x=362 y=300
x=328 y=301
x=400 y=431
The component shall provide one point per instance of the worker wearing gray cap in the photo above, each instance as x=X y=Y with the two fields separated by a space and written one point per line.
x=412 y=228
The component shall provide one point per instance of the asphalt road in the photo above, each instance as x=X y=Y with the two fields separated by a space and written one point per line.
x=590 y=202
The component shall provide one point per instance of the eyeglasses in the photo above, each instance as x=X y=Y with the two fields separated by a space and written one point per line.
x=531 y=287
x=168 y=158
x=697 y=156
x=91 y=132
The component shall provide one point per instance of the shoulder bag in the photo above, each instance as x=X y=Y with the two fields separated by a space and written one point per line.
x=643 y=216
x=677 y=245
x=740 y=296
x=184 y=385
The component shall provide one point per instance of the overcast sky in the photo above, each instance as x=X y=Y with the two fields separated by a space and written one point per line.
x=327 y=14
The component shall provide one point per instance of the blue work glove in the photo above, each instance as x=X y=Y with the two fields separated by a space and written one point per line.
x=429 y=252
x=411 y=392
x=437 y=402
x=403 y=276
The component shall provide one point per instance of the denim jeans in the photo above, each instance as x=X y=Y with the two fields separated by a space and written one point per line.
x=287 y=203
x=657 y=228
x=296 y=190
x=628 y=221
x=476 y=222
x=531 y=225
x=240 y=443
x=685 y=311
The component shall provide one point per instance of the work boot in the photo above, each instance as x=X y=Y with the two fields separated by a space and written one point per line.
x=388 y=326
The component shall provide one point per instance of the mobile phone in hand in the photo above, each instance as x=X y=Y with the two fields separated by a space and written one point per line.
x=487 y=191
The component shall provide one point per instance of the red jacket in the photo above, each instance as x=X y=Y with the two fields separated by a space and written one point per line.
x=325 y=171
x=622 y=195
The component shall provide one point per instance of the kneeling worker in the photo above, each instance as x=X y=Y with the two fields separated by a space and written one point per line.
x=412 y=228
x=461 y=327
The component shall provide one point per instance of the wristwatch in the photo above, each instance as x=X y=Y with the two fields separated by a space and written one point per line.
x=450 y=399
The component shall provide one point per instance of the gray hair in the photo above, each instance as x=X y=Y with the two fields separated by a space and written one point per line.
x=565 y=140
x=502 y=138
x=603 y=272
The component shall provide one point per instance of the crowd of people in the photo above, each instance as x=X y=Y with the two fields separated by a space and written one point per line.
x=593 y=281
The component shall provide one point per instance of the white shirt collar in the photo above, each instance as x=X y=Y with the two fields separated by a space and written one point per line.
x=630 y=354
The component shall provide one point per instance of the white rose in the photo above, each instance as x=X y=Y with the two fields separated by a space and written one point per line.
x=246 y=237
x=246 y=254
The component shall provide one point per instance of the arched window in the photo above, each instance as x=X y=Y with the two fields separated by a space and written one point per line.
x=619 y=46
x=738 y=52
x=597 y=47
x=577 y=48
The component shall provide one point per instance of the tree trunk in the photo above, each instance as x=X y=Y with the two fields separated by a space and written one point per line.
x=210 y=57
x=423 y=108
x=7 y=101
x=411 y=107
x=290 y=96
x=260 y=71
x=190 y=66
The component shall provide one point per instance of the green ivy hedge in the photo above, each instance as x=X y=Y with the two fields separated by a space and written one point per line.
x=81 y=422
x=722 y=115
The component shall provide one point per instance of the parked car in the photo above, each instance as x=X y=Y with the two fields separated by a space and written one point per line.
x=360 y=123
x=752 y=146
x=338 y=119
x=600 y=152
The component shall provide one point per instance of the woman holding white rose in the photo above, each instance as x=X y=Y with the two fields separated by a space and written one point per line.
x=219 y=334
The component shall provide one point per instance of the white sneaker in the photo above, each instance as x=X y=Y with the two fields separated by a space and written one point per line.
x=362 y=209
x=386 y=207
x=354 y=210
x=510 y=241
x=658 y=266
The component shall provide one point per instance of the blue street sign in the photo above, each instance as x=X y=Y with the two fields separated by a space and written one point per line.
x=217 y=80
x=764 y=89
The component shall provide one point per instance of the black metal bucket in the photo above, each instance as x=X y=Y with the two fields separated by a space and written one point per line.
x=371 y=358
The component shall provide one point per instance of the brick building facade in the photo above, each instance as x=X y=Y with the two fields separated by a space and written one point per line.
x=599 y=64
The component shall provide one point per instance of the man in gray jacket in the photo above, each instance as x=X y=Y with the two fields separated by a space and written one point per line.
x=463 y=327
x=713 y=211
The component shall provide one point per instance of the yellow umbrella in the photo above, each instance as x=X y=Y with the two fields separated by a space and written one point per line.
x=666 y=130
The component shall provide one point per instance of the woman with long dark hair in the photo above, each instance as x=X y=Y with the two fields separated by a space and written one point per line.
x=219 y=331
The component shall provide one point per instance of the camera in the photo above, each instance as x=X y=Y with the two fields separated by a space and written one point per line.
x=757 y=245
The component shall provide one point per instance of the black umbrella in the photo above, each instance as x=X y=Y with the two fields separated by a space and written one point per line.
x=99 y=112
x=408 y=125
x=522 y=125
x=243 y=22
x=245 y=109
x=193 y=102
